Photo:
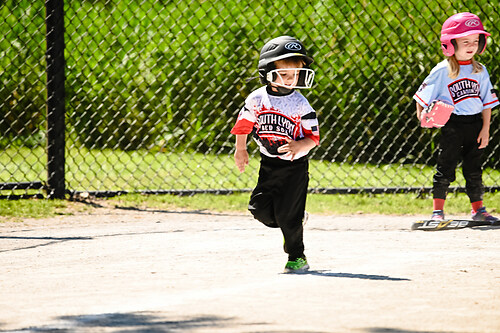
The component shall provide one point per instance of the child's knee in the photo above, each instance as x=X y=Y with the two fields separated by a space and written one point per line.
x=263 y=215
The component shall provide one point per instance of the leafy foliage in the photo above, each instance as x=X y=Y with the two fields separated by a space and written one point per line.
x=170 y=75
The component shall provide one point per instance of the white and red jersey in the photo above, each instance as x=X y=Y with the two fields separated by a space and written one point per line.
x=272 y=119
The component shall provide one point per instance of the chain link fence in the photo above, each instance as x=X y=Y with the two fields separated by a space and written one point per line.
x=153 y=87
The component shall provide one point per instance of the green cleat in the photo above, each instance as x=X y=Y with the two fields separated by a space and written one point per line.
x=298 y=265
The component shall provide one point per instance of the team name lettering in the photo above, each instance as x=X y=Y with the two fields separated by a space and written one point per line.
x=273 y=123
x=463 y=89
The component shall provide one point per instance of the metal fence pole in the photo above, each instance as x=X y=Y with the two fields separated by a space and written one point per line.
x=54 y=19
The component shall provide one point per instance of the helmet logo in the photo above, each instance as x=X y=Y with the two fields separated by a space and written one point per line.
x=293 y=46
x=472 y=23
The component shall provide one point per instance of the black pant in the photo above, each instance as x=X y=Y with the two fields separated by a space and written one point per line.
x=279 y=199
x=459 y=140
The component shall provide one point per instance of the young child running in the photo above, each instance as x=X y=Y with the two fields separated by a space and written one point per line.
x=464 y=83
x=285 y=128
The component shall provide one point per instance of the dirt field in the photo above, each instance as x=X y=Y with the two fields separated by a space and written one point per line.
x=122 y=270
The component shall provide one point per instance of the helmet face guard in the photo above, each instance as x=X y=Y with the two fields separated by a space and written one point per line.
x=462 y=25
x=302 y=78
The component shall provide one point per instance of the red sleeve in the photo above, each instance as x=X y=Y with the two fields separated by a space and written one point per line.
x=242 y=126
x=313 y=134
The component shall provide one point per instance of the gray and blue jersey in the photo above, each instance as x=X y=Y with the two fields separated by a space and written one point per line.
x=469 y=93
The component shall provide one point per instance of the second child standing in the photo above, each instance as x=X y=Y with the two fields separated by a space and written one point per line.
x=464 y=83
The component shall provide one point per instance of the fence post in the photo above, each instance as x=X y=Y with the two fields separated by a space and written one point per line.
x=54 y=21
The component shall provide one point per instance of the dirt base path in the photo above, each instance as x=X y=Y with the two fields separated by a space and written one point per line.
x=125 y=271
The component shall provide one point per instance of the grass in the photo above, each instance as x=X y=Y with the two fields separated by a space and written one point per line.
x=17 y=210
x=326 y=204
x=111 y=170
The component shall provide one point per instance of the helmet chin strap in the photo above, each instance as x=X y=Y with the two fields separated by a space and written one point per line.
x=279 y=91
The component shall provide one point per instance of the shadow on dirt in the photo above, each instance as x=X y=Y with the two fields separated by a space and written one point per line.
x=397 y=330
x=130 y=322
x=148 y=322
x=348 y=275
x=152 y=210
x=51 y=241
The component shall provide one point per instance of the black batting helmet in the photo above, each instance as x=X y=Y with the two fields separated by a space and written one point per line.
x=280 y=48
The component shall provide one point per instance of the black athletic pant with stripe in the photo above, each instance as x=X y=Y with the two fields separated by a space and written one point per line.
x=279 y=199
x=459 y=141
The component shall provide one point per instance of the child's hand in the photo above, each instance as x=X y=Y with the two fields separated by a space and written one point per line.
x=484 y=138
x=294 y=147
x=241 y=159
x=291 y=147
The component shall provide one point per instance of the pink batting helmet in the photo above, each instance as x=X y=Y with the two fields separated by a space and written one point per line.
x=461 y=25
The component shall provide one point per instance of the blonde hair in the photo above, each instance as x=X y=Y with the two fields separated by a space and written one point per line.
x=454 y=67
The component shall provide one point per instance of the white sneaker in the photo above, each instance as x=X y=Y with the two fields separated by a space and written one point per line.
x=437 y=215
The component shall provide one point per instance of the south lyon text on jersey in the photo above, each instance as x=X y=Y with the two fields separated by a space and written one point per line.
x=274 y=119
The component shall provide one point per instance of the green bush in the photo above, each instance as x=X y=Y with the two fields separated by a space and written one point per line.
x=165 y=75
x=22 y=74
